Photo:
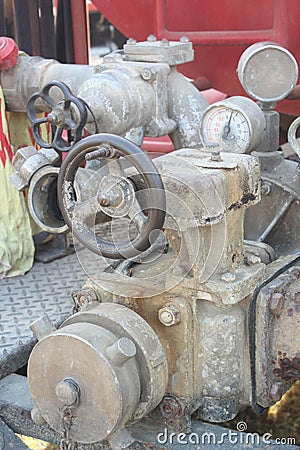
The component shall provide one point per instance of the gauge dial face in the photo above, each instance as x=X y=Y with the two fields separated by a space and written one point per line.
x=227 y=128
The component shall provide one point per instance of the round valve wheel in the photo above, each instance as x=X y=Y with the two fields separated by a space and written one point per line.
x=118 y=195
x=69 y=113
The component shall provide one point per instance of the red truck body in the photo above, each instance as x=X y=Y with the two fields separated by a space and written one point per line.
x=219 y=29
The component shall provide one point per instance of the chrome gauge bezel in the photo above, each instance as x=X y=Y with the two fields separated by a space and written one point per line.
x=262 y=71
x=219 y=125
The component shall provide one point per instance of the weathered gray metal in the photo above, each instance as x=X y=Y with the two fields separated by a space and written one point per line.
x=112 y=349
x=168 y=332
x=134 y=97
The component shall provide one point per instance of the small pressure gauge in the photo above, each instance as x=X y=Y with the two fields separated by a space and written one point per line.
x=236 y=125
x=267 y=72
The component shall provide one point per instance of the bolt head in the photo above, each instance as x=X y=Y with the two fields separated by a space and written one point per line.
x=170 y=407
x=146 y=74
x=151 y=38
x=253 y=259
x=228 y=277
x=67 y=391
x=131 y=41
x=184 y=39
x=169 y=315
x=266 y=188
x=87 y=295
x=164 y=42
x=215 y=156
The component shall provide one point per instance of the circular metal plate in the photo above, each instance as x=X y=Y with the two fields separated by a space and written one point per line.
x=75 y=353
x=267 y=71
x=234 y=125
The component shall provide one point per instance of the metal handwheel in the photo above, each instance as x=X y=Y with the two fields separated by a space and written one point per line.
x=117 y=196
x=61 y=117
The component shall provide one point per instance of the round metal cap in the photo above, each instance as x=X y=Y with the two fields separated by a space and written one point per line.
x=70 y=368
x=8 y=53
x=267 y=71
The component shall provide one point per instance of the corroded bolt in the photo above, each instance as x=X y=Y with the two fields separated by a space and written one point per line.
x=87 y=295
x=68 y=392
x=252 y=260
x=37 y=417
x=228 y=277
x=121 y=351
x=131 y=41
x=276 y=302
x=169 y=315
x=170 y=407
x=184 y=39
x=151 y=38
x=215 y=156
x=276 y=391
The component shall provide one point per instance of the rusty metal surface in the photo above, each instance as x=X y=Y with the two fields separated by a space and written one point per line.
x=277 y=322
x=16 y=414
x=47 y=289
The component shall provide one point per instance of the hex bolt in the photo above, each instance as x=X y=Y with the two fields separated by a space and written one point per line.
x=131 y=41
x=215 y=156
x=37 y=417
x=276 y=302
x=87 y=295
x=151 y=38
x=170 y=407
x=169 y=315
x=147 y=74
x=184 y=39
x=228 y=277
x=276 y=391
x=252 y=260
x=42 y=327
x=121 y=351
x=68 y=392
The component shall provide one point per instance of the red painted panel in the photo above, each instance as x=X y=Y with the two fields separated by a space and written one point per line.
x=219 y=29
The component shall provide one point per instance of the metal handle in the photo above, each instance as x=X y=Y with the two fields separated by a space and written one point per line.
x=60 y=117
x=292 y=136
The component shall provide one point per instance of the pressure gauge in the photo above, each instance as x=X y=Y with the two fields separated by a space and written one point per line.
x=267 y=72
x=236 y=125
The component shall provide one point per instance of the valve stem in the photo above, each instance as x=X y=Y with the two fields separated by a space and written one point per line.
x=99 y=153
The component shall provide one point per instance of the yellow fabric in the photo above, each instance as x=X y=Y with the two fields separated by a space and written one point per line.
x=16 y=244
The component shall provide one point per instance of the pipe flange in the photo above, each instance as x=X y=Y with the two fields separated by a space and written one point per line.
x=27 y=161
